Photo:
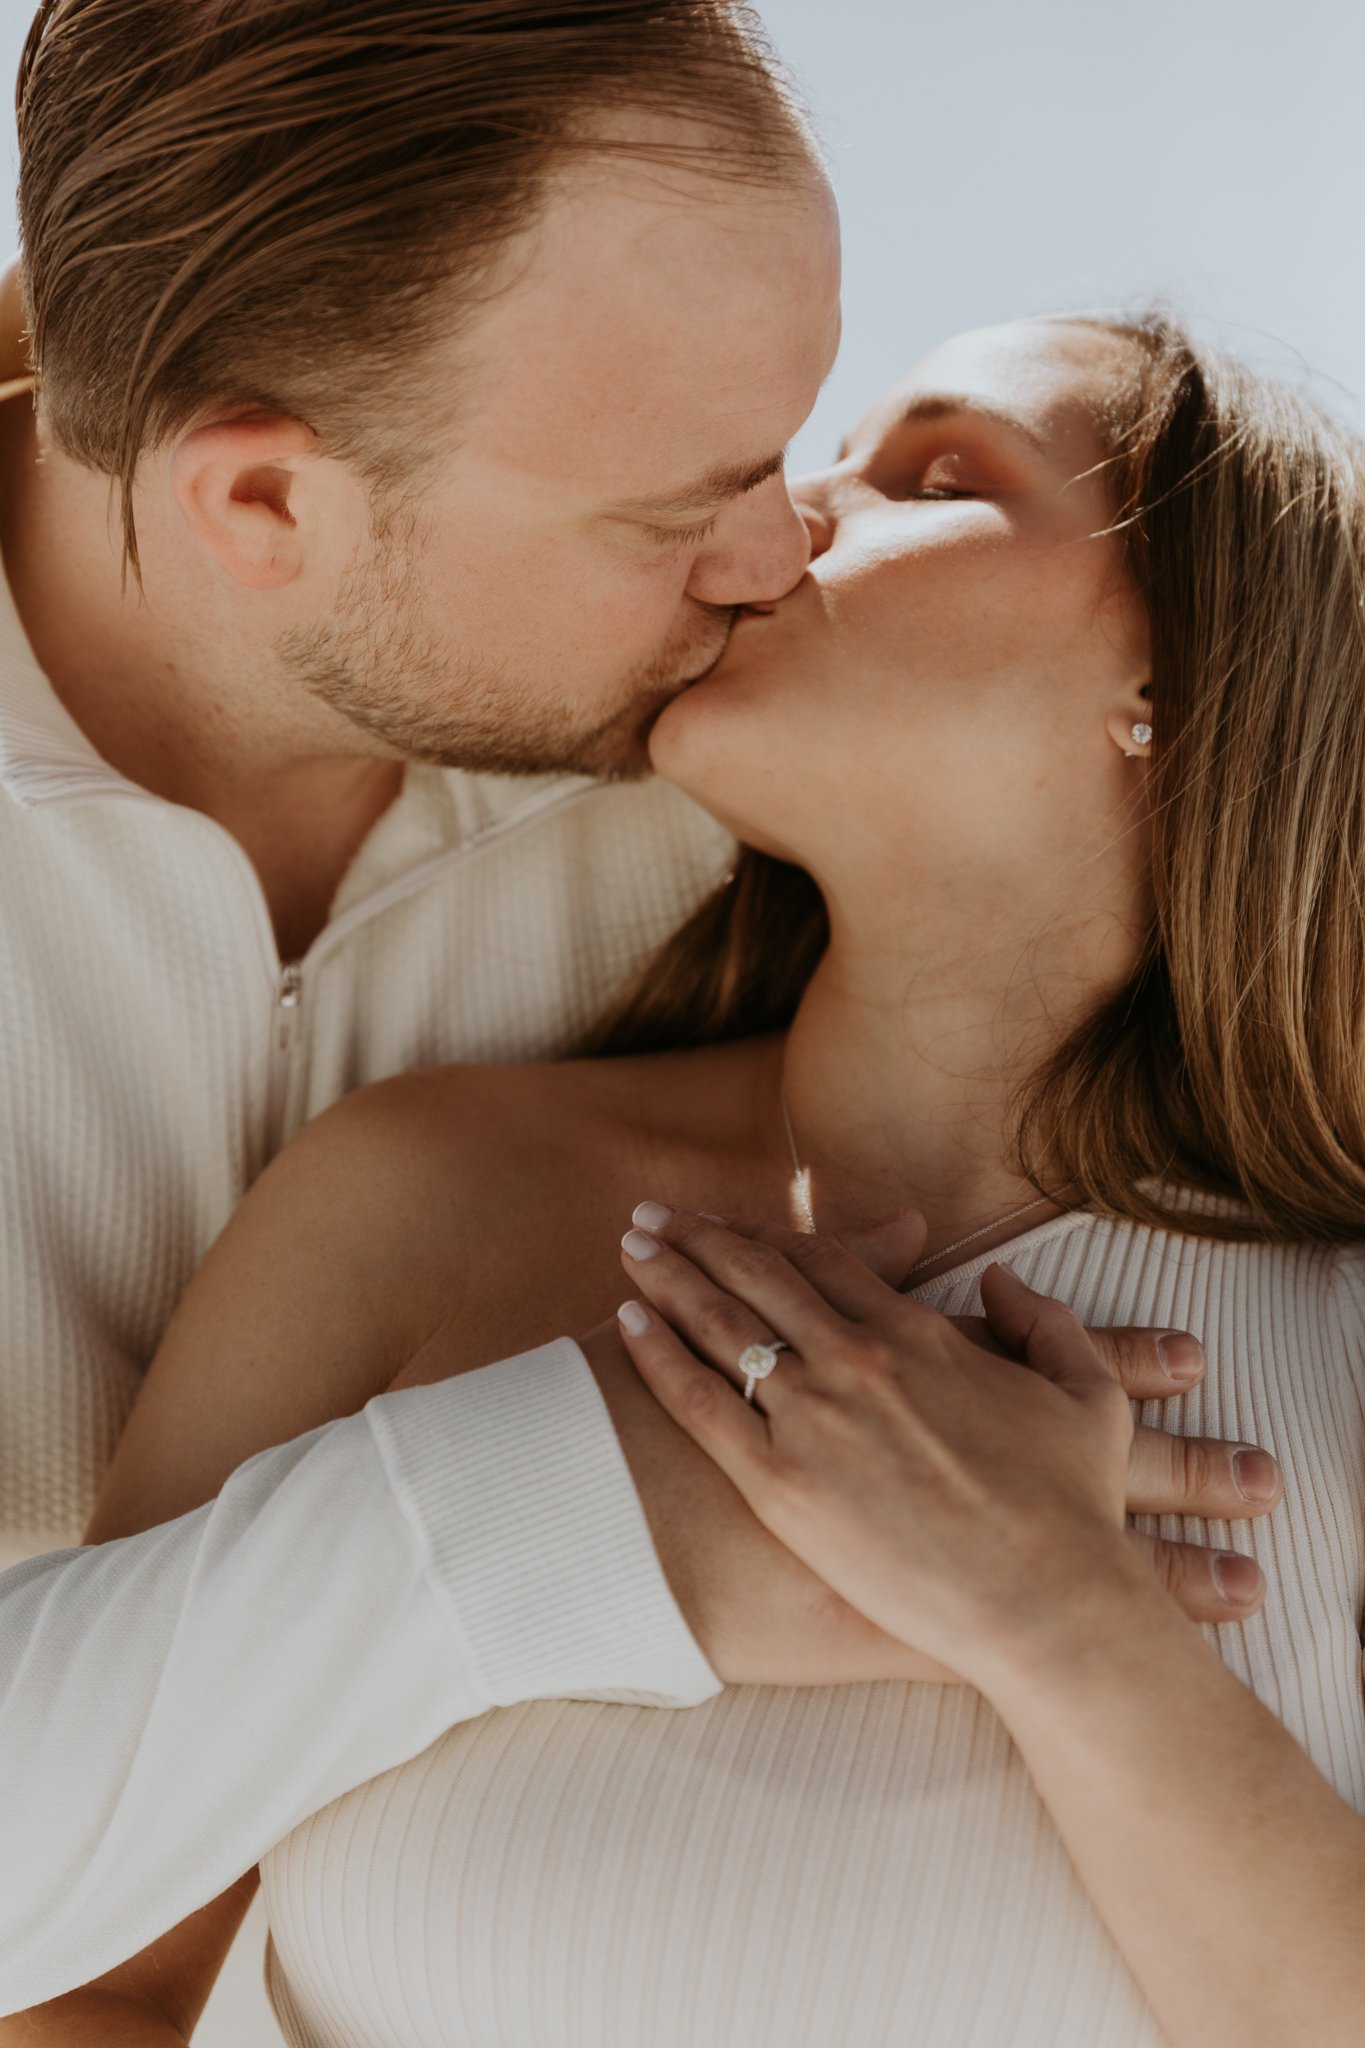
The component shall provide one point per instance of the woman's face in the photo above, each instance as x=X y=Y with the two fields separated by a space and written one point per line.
x=952 y=683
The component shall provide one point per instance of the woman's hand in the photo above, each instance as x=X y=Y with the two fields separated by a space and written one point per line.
x=966 y=1504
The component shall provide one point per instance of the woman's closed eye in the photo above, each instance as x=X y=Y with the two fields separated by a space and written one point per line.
x=942 y=477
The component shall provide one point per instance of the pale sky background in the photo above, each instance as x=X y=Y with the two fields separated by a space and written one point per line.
x=995 y=158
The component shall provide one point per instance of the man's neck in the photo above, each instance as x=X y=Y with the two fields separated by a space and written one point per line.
x=142 y=694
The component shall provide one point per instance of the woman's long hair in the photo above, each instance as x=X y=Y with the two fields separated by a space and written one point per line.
x=1234 y=1060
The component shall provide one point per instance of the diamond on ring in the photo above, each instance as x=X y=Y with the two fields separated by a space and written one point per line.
x=756 y=1361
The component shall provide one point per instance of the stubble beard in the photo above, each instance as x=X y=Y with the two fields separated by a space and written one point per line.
x=373 y=665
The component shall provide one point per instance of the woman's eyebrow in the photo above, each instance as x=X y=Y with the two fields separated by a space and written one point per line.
x=942 y=405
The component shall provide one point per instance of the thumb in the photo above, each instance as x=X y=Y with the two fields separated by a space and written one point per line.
x=1040 y=1332
x=891 y=1247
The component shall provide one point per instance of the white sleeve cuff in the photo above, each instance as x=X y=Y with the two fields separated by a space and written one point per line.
x=519 y=1496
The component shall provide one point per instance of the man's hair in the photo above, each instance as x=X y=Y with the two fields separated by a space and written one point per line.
x=234 y=205
x=1233 y=1062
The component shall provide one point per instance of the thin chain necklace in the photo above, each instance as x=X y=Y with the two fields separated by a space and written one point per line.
x=998 y=1223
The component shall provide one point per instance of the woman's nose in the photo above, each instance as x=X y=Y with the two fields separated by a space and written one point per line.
x=819 y=522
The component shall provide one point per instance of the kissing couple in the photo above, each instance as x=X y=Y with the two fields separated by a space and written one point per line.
x=675 y=1145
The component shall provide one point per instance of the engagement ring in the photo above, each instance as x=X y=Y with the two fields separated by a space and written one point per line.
x=756 y=1361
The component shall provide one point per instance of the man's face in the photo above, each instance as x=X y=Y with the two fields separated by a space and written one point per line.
x=615 y=487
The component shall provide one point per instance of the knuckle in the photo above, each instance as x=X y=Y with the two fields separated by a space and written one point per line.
x=1128 y=1352
x=727 y=1326
x=868 y=1353
x=750 y=1263
x=680 y=1229
x=1171 y=1563
x=788 y=1476
x=1192 y=1467
x=700 y=1398
x=814 y=1249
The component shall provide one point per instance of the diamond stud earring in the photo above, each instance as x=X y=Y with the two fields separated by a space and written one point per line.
x=1142 y=735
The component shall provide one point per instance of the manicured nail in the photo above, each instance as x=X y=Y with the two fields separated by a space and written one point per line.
x=1238 y=1577
x=1182 y=1357
x=707 y=1217
x=651 y=1215
x=1255 y=1473
x=633 y=1317
x=637 y=1246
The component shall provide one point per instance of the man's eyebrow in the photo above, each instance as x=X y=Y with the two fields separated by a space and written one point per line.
x=942 y=405
x=729 y=480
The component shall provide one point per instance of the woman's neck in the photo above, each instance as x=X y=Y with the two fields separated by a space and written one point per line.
x=903 y=1066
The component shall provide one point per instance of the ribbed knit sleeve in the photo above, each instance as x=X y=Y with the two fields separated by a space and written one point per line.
x=173 y=1703
x=535 y=1536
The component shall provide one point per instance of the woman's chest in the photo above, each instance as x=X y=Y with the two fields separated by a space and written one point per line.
x=846 y=1867
x=836 y=1868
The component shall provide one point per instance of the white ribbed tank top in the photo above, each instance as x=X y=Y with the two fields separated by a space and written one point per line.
x=862 y=1866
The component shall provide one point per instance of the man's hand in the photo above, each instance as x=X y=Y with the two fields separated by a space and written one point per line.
x=1168 y=1474
x=762 y=1618
x=83 y=2018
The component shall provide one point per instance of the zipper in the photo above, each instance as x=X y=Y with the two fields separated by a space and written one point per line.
x=289 y=974
x=287 y=977
x=288 y=999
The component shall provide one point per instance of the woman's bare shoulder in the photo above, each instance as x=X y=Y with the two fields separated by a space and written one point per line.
x=518 y=1181
x=377 y=1225
x=460 y=1131
x=481 y=1203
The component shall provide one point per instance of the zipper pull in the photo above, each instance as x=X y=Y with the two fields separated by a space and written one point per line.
x=288 y=992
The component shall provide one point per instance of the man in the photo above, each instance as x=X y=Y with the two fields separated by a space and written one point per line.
x=444 y=355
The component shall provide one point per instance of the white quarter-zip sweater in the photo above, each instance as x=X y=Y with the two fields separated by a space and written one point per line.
x=172 y=1704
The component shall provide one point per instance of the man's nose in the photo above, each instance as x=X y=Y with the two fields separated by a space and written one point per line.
x=759 y=552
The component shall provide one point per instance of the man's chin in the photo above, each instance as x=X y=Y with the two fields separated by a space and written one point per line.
x=620 y=750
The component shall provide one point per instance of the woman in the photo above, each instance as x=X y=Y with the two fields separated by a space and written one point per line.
x=1053 y=928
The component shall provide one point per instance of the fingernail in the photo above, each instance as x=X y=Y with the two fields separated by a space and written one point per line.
x=1182 y=1357
x=1238 y=1577
x=633 y=1317
x=637 y=1246
x=1255 y=1473
x=707 y=1217
x=651 y=1215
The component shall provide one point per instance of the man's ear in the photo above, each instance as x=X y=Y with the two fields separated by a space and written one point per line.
x=234 y=482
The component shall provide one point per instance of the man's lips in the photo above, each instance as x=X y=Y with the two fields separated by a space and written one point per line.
x=742 y=611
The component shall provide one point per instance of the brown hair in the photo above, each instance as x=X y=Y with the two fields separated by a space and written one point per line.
x=236 y=204
x=1234 y=1060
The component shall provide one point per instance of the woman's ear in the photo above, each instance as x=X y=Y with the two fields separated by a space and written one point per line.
x=1129 y=723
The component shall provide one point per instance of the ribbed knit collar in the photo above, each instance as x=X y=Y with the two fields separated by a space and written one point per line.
x=44 y=755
